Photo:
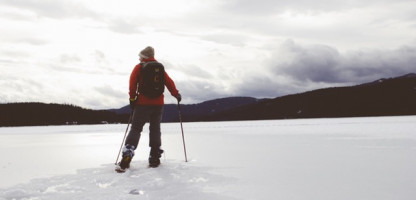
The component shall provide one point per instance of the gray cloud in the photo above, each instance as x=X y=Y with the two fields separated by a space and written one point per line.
x=317 y=63
x=31 y=41
x=321 y=63
x=262 y=86
x=65 y=58
x=52 y=9
x=22 y=39
x=20 y=89
x=267 y=7
x=381 y=63
x=124 y=26
x=198 y=72
x=357 y=22
x=200 y=90
x=294 y=67
x=107 y=90
x=226 y=38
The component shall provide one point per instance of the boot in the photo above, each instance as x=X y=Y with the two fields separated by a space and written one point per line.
x=128 y=153
x=154 y=157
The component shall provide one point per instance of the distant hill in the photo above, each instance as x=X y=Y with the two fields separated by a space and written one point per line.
x=384 y=97
x=35 y=114
x=190 y=112
x=195 y=112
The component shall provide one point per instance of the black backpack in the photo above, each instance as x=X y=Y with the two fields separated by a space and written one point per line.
x=153 y=79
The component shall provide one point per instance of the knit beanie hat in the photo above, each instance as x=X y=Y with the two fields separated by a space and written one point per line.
x=147 y=52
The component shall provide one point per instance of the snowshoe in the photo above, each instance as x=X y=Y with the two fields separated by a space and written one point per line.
x=128 y=153
x=120 y=170
x=154 y=157
x=124 y=164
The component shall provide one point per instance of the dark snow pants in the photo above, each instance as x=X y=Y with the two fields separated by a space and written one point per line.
x=141 y=115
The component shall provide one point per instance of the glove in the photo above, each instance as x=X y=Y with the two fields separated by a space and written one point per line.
x=132 y=102
x=178 y=97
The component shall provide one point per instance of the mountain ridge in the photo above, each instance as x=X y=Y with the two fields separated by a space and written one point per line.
x=382 y=97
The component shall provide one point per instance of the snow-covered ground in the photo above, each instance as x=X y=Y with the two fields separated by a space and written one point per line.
x=308 y=159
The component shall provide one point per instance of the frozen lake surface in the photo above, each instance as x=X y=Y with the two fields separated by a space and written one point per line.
x=308 y=159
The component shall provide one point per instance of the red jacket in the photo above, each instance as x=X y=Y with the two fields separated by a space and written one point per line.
x=143 y=100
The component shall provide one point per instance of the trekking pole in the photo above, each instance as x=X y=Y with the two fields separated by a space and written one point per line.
x=128 y=124
x=183 y=136
x=125 y=134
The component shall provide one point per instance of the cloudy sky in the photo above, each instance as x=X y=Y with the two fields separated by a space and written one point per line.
x=82 y=51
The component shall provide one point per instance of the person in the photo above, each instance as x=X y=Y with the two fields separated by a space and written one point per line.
x=146 y=109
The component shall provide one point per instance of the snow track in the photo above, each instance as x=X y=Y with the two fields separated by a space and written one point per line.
x=169 y=181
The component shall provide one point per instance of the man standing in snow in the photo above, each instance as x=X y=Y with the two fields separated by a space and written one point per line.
x=148 y=78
